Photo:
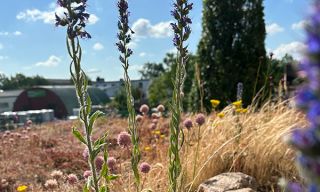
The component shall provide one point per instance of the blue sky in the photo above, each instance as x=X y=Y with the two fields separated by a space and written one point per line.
x=31 y=44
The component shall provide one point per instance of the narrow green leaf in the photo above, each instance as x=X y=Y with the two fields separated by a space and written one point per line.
x=93 y=118
x=113 y=177
x=78 y=135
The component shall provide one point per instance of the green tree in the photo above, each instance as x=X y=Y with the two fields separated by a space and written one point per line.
x=20 y=81
x=152 y=70
x=231 y=49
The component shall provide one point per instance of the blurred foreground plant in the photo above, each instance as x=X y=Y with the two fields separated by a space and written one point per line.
x=182 y=32
x=307 y=141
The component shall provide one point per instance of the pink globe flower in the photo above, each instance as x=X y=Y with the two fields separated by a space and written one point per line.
x=139 y=118
x=187 y=123
x=112 y=163
x=153 y=126
x=85 y=154
x=154 y=116
x=86 y=174
x=124 y=139
x=72 y=179
x=144 y=109
x=160 y=108
x=99 y=162
x=145 y=167
x=200 y=119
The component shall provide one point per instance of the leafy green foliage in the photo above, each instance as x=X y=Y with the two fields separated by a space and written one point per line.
x=232 y=48
x=152 y=70
x=20 y=81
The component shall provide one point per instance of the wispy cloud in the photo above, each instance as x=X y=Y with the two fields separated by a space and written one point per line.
x=294 y=48
x=274 y=28
x=143 y=28
x=142 y=54
x=93 y=70
x=48 y=17
x=2 y=57
x=299 y=25
x=52 y=61
x=6 y=33
x=98 y=46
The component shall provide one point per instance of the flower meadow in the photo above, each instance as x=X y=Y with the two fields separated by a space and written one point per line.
x=165 y=149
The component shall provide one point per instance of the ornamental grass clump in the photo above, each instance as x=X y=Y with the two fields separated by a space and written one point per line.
x=307 y=140
x=182 y=31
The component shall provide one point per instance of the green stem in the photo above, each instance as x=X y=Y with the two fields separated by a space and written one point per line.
x=82 y=94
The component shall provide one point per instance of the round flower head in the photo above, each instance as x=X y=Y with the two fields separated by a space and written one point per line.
x=139 y=118
x=144 y=109
x=145 y=167
x=72 y=179
x=29 y=122
x=85 y=154
x=214 y=102
x=99 y=162
x=86 y=174
x=51 y=184
x=124 y=139
x=153 y=126
x=200 y=119
x=155 y=121
x=160 y=108
x=56 y=174
x=154 y=116
x=187 y=123
x=112 y=163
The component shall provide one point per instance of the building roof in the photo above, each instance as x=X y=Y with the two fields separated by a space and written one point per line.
x=11 y=93
x=68 y=96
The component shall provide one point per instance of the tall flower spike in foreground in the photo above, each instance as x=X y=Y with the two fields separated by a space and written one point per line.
x=124 y=36
x=307 y=141
x=182 y=32
x=74 y=18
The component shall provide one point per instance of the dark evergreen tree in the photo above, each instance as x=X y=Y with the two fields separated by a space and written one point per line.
x=231 y=49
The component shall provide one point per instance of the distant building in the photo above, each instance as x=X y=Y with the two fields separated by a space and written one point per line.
x=60 y=81
x=111 y=88
x=62 y=99
x=7 y=99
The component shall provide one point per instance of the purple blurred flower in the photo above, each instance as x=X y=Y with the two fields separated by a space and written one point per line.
x=200 y=119
x=188 y=123
x=124 y=139
x=145 y=167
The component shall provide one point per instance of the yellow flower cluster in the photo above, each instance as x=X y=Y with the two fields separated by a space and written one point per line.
x=237 y=104
x=221 y=114
x=22 y=188
x=214 y=102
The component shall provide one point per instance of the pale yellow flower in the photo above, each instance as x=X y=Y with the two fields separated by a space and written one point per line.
x=221 y=114
x=22 y=188
x=214 y=102
x=237 y=104
x=147 y=148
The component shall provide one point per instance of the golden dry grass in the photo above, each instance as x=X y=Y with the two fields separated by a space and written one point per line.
x=258 y=150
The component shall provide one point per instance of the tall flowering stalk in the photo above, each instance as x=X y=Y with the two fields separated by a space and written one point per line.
x=182 y=32
x=307 y=141
x=75 y=18
x=124 y=36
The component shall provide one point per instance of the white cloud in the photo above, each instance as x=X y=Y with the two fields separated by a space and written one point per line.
x=299 y=25
x=142 y=54
x=294 y=48
x=17 y=33
x=93 y=19
x=52 y=61
x=93 y=70
x=3 y=57
x=6 y=33
x=274 y=28
x=98 y=46
x=48 y=17
x=143 y=28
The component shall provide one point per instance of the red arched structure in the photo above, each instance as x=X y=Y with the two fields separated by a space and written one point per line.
x=40 y=98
